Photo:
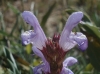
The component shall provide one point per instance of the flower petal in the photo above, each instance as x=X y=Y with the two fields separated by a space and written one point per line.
x=39 y=39
x=80 y=39
x=46 y=67
x=72 y=21
x=66 y=71
x=38 y=69
x=69 y=61
x=27 y=36
x=69 y=44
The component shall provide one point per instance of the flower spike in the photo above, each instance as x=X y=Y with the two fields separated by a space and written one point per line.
x=53 y=51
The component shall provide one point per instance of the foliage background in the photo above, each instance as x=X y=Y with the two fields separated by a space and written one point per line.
x=52 y=15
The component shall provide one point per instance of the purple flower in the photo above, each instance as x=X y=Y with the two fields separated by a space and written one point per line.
x=68 y=62
x=52 y=51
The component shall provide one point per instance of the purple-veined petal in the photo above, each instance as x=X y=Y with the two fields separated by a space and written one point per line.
x=72 y=21
x=66 y=71
x=39 y=39
x=69 y=61
x=80 y=39
x=69 y=44
x=46 y=67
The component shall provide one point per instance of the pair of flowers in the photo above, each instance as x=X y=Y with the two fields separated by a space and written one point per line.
x=53 y=51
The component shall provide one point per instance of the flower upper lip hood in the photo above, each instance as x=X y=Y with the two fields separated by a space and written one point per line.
x=37 y=37
x=52 y=51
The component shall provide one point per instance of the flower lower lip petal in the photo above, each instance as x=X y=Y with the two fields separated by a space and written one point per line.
x=66 y=71
x=69 y=61
x=80 y=39
x=38 y=69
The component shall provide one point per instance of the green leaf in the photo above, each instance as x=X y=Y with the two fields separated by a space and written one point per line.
x=92 y=30
x=13 y=60
x=86 y=18
x=21 y=60
x=3 y=33
x=2 y=21
x=93 y=51
x=1 y=70
x=46 y=16
x=96 y=18
x=11 y=64
x=94 y=54
x=85 y=72
x=15 y=10
x=14 y=27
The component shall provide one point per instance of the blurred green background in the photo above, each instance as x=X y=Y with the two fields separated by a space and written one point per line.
x=52 y=15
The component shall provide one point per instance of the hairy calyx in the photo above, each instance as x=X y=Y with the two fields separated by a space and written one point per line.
x=54 y=54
